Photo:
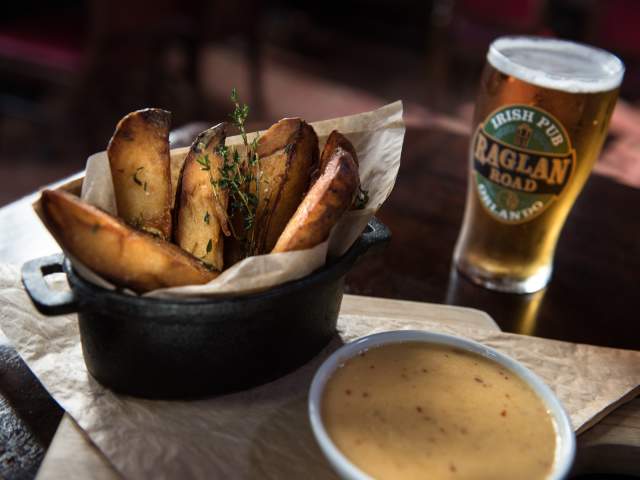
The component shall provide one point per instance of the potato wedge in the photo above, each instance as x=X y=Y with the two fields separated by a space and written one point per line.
x=334 y=140
x=330 y=196
x=201 y=216
x=109 y=247
x=141 y=171
x=288 y=154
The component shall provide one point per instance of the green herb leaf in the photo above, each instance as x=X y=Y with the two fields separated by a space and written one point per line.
x=206 y=218
x=223 y=151
x=209 y=246
x=362 y=198
x=135 y=176
x=139 y=221
x=204 y=161
x=239 y=175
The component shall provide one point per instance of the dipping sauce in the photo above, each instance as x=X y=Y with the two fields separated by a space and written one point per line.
x=420 y=410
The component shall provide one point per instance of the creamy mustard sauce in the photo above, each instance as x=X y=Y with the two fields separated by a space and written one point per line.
x=418 y=410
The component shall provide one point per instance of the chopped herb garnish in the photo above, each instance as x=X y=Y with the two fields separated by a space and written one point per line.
x=206 y=217
x=362 y=198
x=145 y=186
x=135 y=176
x=95 y=228
x=288 y=148
x=139 y=221
x=204 y=161
x=209 y=246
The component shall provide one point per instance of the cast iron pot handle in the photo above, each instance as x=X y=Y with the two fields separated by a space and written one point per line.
x=376 y=236
x=46 y=300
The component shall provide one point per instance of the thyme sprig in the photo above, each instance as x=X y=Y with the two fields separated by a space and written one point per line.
x=236 y=179
x=362 y=198
x=142 y=183
x=239 y=175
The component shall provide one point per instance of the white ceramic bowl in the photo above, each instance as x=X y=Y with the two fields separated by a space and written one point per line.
x=565 y=440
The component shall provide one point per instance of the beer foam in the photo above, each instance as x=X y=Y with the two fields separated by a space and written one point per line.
x=557 y=64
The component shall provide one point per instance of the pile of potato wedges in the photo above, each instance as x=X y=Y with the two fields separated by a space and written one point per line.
x=165 y=236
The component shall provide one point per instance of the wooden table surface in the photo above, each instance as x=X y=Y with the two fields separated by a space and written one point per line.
x=590 y=299
x=596 y=282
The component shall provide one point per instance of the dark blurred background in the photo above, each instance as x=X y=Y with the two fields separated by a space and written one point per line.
x=70 y=69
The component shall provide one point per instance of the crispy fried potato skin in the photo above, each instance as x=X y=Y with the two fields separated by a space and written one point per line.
x=334 y=140
x=288 y=154
x=117 y=252
x=141 y=170
x=201 y=216
x=327 y=200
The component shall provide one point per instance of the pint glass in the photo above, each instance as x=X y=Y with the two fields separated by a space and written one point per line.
x=540 y=120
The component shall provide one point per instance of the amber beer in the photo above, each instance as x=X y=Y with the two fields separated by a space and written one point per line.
x=540 y=121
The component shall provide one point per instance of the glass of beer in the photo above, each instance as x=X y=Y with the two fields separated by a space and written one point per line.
x=541 y=118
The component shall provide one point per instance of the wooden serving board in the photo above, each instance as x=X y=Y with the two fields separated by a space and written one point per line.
x=612 y=446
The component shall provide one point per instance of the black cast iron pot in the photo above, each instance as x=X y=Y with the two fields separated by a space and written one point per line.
x=183 y=348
